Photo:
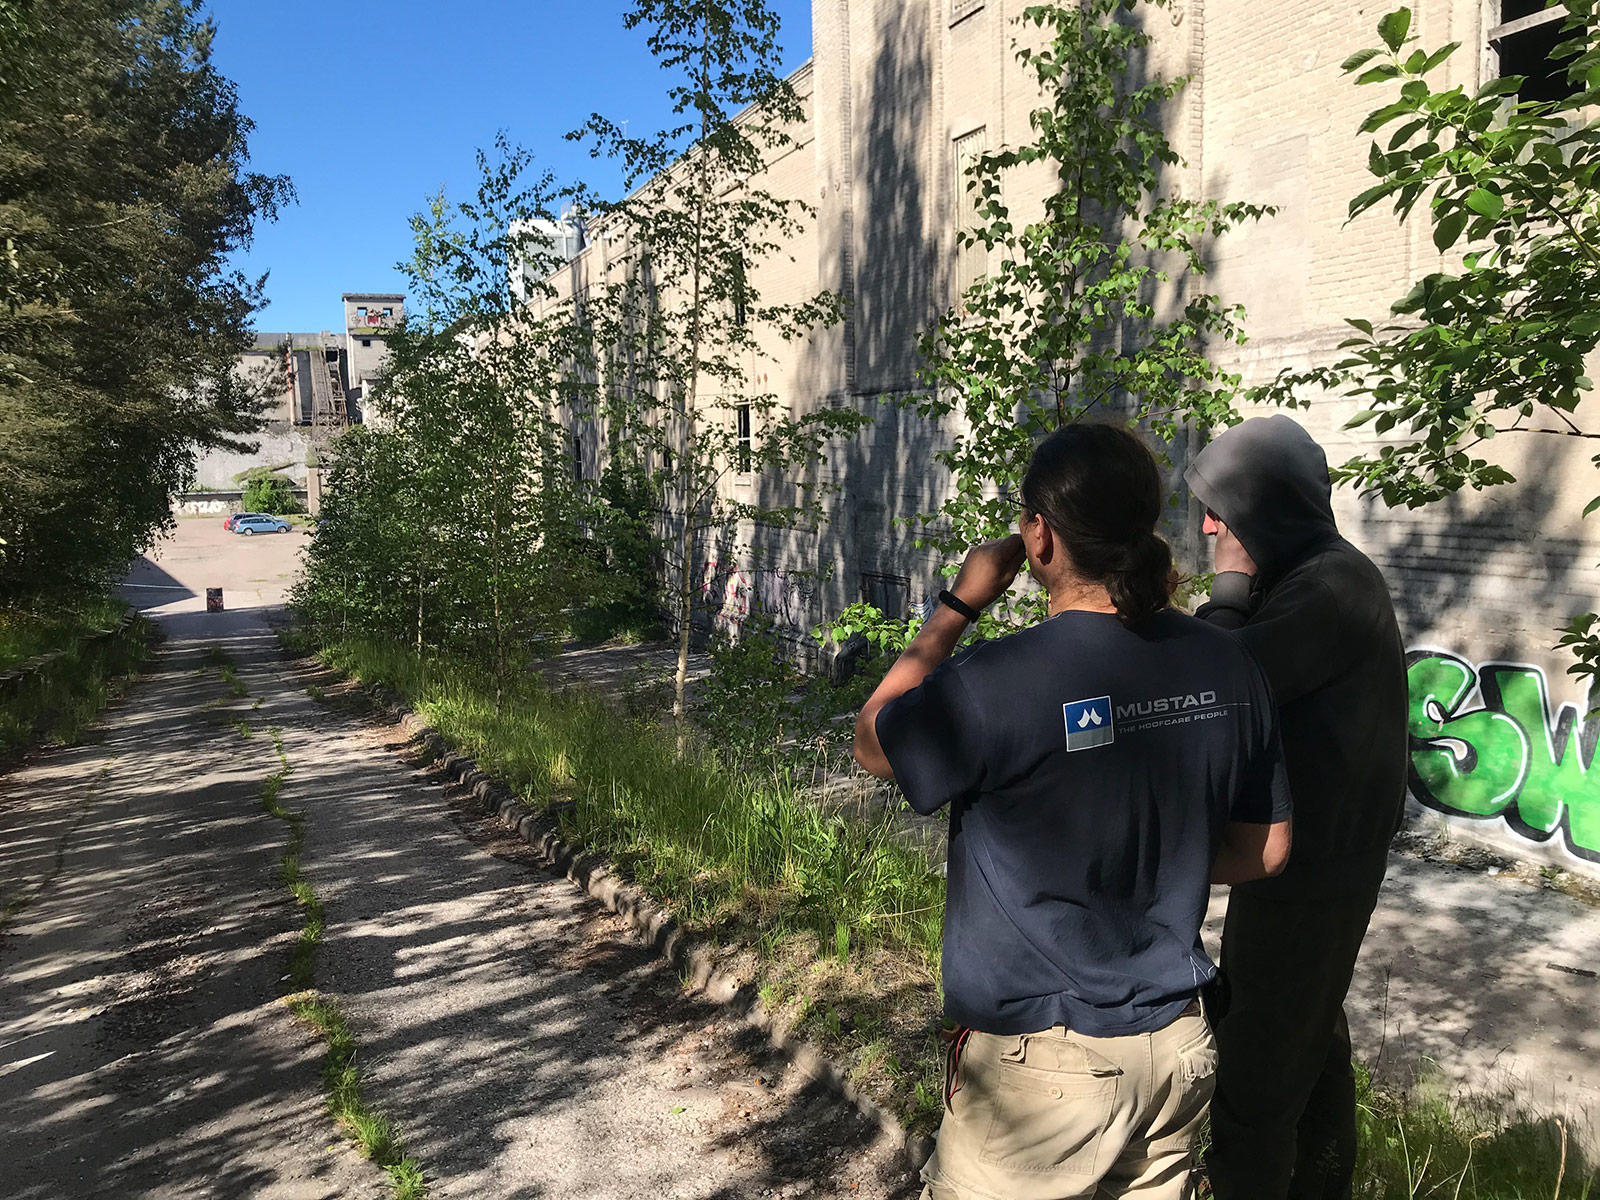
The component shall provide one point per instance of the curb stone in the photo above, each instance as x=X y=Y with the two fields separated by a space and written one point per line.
x=695 y=964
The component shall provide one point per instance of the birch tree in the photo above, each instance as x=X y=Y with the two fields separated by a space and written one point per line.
x=1067 y=321
x=681 y=323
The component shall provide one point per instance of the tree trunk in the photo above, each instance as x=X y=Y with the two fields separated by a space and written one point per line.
x=494 y=588
x=685 y=602
x=686 y=566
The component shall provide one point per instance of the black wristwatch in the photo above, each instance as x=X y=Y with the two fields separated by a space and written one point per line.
x=950 y=600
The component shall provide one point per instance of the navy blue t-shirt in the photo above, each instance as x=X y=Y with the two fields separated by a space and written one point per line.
x=1091 y=767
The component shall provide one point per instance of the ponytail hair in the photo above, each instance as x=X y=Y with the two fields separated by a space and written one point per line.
x=1099 y=490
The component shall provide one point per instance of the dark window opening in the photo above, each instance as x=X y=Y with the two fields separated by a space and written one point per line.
x=1525 y=42
x=388 y=312
x=742 y=415
x=740 y=307
x=362 y=311
x=366 y=341
x=577 y=459
x=889 y=594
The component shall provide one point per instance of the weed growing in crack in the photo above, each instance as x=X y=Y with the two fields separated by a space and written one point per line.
x=243 y=729
x=373 y=1133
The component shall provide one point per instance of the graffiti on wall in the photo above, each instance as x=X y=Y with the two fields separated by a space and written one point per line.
x=771 y=593
x=1485 y=744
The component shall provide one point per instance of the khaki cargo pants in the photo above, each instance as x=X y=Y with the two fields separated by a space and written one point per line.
x=1051 y=1115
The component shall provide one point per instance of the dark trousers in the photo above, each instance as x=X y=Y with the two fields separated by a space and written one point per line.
x=1283 y=1121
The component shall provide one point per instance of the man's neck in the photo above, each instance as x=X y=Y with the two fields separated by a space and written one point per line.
x=1074 y=595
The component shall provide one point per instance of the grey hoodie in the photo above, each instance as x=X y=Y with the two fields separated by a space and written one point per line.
x=1319 y=619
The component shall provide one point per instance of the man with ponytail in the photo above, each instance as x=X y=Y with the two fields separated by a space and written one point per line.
x=1102 y=768
x=1317 y=615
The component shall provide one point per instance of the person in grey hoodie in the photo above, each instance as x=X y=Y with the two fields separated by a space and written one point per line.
x=1317 y=615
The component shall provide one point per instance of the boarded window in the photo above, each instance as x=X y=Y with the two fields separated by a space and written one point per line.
x=971 y=261
x=889 y=594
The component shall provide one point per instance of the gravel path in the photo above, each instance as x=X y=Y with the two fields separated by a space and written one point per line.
x=143 y=1047
x=525 y=1043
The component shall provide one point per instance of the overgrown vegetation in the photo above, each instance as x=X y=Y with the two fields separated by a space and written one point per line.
x=124 y=189
x=26 y=633
x=458 y=521
x=270 y=493
x=91 y=655
x=1060 y=317
x=1435 y=1142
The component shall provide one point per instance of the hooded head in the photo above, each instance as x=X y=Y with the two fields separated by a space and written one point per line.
x=1268 y=482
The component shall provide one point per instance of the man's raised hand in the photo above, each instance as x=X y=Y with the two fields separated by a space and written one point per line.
x=1231 y=555
x=988 y=570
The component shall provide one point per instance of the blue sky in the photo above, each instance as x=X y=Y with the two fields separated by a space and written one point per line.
x=371 y=107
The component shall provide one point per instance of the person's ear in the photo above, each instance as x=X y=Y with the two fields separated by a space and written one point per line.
x=1037 y=538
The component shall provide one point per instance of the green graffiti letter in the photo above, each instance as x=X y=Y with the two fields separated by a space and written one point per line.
x=1559 y=777
x=1472 y=763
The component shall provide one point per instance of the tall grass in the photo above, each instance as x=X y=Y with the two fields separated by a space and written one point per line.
x=743 y=853
x=1428 y=1143
x=28 y=633
x=730 y=851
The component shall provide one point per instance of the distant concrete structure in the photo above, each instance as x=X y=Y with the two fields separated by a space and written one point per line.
x=369 y=318
x=318 y=384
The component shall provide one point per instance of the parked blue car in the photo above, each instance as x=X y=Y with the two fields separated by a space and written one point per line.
x=252 y=523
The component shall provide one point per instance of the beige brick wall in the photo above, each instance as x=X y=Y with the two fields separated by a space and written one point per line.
x=1269 y=118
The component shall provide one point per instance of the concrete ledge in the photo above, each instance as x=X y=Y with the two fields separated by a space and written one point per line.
x=13 y=679
x=694 y=963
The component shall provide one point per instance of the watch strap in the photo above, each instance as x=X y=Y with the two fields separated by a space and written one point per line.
x=950 y=600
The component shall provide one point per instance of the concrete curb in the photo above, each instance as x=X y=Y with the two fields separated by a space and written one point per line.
x=696 y=964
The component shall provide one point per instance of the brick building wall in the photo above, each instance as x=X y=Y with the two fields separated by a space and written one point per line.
x=897 y=88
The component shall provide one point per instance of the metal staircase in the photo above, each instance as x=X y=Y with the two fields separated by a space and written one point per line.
x=328 y=409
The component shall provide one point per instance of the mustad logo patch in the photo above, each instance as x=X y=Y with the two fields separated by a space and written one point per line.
x=1089 y=723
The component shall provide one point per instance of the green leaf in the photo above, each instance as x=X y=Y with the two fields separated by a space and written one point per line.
x=1438 y=56
x=1591 y=506
x=1358 y=59
x=1394 y=27
x=1371 y=196
x=1482 y=200
x=1379 y=73
x=1504 y=86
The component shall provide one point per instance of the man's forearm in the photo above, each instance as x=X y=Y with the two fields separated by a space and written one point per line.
x=933 y=644
x=1249 y=852
x=1229 y=605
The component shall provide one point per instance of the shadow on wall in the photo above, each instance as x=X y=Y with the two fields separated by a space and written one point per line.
x=1483 y=567
x=888 y=469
